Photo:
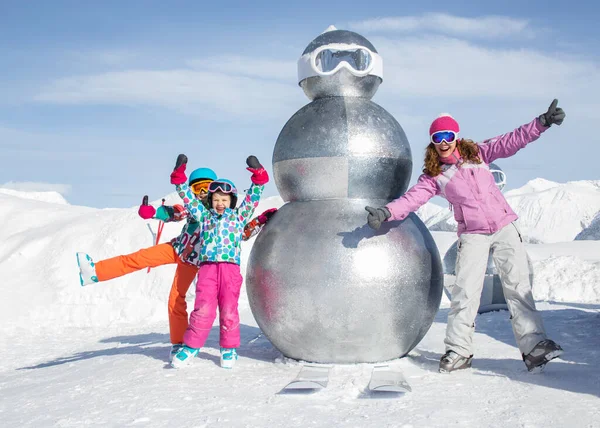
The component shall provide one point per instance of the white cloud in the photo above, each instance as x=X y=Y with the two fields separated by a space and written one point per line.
x=445 y=67
x=30 y=186
x=191 y=91
x=104 y=57
x=432 y=65
x=487 y=27
x=263 y=68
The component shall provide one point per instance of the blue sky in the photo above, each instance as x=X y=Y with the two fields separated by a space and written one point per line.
x=98 y=98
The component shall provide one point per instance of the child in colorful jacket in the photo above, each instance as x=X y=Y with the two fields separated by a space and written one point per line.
x=219 y=278
x=181 y=250
x=457 y=169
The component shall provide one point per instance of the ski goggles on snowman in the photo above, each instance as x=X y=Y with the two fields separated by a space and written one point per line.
x=329 y=59
x=499 y=178
x=200 y=186
x=221 y=186
x=448 y=136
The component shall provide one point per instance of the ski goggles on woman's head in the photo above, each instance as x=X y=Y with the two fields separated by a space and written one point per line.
x=221 y=186
x=200 y=186
x=439 y=137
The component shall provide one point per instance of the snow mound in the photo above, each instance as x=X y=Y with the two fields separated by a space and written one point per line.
x=566 y=279
x=51 y=197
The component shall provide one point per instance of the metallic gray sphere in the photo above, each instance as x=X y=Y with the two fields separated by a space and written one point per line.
x=342 y=84
x=342 y=148
x=324 y=287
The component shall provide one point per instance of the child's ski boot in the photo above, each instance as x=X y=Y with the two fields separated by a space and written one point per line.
x=184 y=357
x=228 y=357
x=87 y=269
x=175 y=348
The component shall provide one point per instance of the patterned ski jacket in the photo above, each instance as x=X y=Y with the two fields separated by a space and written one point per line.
x=478 y=204
x=219 y=237
x=183 y=244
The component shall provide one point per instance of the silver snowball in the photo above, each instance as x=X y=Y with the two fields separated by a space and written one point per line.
x=339 y=147
x=324 y=287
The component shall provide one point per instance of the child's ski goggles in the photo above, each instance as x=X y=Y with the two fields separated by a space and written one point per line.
x=200 y=186
x=221 y=186
x=439 y=137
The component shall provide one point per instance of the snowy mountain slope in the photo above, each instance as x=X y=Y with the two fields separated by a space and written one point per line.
x=548 y=212
x=592 y=231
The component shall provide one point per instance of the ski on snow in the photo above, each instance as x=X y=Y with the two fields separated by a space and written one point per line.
x=384 y=379
x=313 y=378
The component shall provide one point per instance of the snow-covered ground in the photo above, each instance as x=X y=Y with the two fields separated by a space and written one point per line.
x=96 y=356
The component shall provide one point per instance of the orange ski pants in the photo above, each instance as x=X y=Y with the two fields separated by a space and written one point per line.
x=158 y=255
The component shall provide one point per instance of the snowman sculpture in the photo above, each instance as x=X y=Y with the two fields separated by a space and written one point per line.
x=322 y=286
x=492 y=296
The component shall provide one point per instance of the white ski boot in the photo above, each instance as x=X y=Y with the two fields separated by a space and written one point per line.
x=184 y=357
x=87 y=269
x=228 y=357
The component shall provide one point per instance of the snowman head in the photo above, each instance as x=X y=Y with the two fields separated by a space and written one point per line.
x=340 y=63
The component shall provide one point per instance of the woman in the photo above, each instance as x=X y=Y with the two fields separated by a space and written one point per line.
x=457 y=169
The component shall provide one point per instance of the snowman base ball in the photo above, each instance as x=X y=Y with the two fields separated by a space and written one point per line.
x=343 y=294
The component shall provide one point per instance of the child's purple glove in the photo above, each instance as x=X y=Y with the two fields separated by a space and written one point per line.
x=178 y=175
x=259 y=174
x=146 y=211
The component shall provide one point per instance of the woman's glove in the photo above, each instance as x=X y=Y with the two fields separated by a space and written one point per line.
x=377 y=216
x=553 y=115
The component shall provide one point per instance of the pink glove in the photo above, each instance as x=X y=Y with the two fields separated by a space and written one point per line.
x=259 y=176
x=178 y=175
x=146 y=211
x=266 y=215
